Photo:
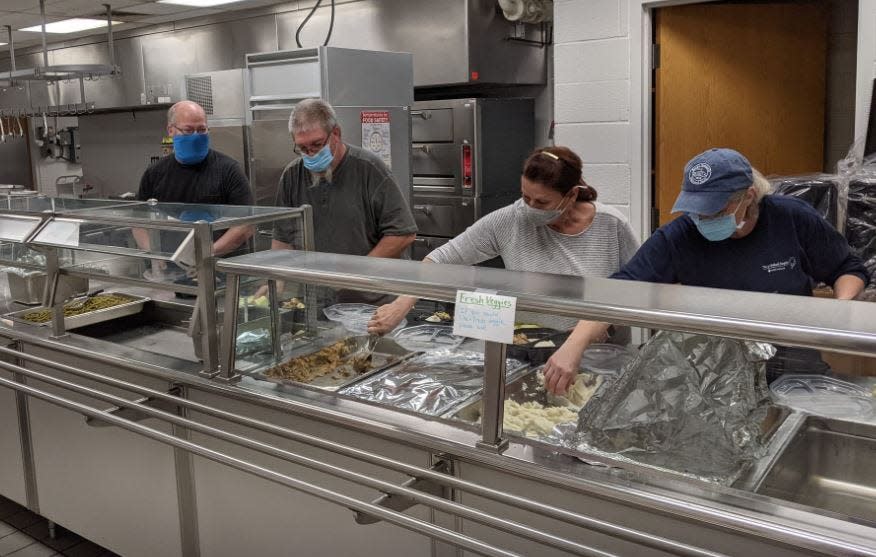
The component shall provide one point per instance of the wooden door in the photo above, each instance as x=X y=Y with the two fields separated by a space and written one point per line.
x=746 y=76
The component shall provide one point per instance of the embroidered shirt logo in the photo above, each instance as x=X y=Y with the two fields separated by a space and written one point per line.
x=699 y=174
x=786 y=265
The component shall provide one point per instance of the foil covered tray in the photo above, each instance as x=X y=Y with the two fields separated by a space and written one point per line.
x=432 y=383
x=336 y=365
x=132 y=305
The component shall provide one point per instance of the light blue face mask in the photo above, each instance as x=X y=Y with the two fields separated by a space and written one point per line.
x=718 y=228
x=320 y=161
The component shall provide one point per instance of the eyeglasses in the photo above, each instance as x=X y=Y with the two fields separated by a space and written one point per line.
x=312 y=148
x=190 y=131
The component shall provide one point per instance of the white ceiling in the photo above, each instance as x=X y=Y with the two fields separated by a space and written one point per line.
x=134 y=13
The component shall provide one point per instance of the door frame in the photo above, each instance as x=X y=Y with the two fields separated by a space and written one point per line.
x=641 y=107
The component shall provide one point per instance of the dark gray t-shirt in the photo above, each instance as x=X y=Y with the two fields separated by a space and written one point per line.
x=351 y=214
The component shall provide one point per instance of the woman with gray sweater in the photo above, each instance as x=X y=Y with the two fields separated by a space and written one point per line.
x=557 y=226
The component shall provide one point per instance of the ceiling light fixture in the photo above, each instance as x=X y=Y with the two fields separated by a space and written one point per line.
x=73 y=25
x=198 y=3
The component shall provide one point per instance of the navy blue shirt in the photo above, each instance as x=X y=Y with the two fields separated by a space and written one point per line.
x=790 y=250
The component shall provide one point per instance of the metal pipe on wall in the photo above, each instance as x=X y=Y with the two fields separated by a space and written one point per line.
x=109 y=37
x=43 y=34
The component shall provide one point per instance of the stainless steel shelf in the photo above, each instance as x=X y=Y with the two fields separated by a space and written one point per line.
x=61 y=72
x=842 y=326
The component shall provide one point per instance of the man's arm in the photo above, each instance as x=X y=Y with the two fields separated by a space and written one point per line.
x=233 y=238
x=141 y=236
x=263 y=290
x=392 y=246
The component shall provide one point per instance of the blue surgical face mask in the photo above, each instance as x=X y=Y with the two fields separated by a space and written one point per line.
x=718 y=228
x=191 y=149
x=320 y=161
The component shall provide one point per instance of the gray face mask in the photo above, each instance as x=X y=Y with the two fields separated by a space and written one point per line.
x=539 y=217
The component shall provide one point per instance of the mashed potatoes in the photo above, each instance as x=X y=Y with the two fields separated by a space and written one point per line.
x=534 y=420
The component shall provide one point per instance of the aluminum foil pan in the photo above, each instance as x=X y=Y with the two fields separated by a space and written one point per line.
x=336 y=365
x=531 y=411
x=432 y=383
x=694 y=404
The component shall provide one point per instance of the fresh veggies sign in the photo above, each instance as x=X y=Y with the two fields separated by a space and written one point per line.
x=485 y=315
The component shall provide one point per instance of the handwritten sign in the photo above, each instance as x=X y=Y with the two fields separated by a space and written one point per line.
x=485 y=316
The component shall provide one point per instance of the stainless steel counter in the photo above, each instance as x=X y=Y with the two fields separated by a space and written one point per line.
x=221 y=509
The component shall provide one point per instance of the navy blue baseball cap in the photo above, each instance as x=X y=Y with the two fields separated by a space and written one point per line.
x=710 y=179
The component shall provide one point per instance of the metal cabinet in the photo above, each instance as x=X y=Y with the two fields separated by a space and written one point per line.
x=109 y=485
x=12 y=482
x=239 y=514
x=720 y=541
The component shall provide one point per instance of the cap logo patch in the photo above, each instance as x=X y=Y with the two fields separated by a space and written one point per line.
x=699 y=174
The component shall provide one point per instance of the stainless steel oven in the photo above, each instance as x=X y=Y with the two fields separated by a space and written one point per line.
x=466 y=158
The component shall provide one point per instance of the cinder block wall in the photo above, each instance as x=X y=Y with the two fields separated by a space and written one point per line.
x=592 y=92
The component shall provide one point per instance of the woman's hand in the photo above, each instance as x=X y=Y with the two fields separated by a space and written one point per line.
x=387 y=317
x=561 y=369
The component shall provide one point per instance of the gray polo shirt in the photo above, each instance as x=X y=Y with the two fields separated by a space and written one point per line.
x=361 y=205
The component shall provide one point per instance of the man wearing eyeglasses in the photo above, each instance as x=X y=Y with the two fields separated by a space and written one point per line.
x=358 y=209
x=196 y=174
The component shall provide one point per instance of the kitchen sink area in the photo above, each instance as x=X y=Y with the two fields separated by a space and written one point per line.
x=826 y=465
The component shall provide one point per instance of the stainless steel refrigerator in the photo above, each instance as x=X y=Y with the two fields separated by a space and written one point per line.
x=371 y=92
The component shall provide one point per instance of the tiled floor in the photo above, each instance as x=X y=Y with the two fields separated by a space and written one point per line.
x=25 y=534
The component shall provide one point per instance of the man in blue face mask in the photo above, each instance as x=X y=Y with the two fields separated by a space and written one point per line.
x=733 y=235
x=195 y=173
x=358 y=208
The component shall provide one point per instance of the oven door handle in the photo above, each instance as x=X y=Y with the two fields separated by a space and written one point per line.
x=425 y=115
x=424 y=147
x=425 y=209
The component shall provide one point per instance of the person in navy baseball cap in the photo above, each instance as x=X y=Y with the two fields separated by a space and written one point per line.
x=710 y=179
x=733 y=234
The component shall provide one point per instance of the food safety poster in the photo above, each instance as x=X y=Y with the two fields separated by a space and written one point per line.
x=375 y=135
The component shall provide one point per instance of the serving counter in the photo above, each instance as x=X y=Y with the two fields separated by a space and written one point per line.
x=146 y=454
